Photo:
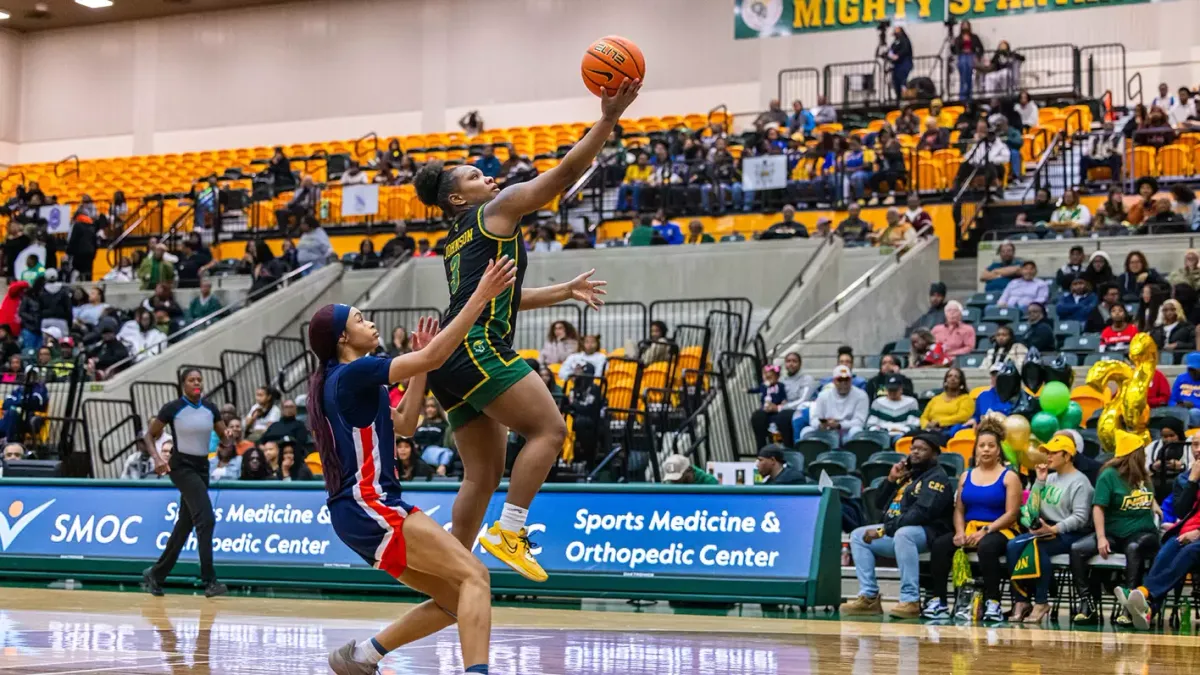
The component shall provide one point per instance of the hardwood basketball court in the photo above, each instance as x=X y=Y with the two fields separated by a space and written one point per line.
x=75 y=632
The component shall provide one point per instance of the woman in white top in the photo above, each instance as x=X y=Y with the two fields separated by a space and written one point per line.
x=1028 y=111
x=141 y=336
x=1071 y=214
x=263 y=413
x=122 y=272
x=90 y=312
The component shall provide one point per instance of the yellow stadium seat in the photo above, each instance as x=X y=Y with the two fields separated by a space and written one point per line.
x=1144 y=163
x=1174 y=160
x=313 y=461
x=904 y=444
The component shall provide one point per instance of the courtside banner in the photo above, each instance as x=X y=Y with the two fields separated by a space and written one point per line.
x=716 y=535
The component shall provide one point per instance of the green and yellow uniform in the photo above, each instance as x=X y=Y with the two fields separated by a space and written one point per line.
x=484 y=366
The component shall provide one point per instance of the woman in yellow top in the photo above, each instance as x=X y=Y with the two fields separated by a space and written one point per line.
x=946 y=412
x=636 y=176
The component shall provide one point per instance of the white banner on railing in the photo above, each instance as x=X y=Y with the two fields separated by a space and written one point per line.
x=360 y=200
x=764 y=173
x=57 y=217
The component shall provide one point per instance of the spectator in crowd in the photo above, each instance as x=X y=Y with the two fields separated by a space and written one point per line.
x=854 y=230
x=772 y=396
x=841 y=408
x=14 y=452
x=1162 y=219
x=1183 y=110
x=772 y=116
x=908 y=123
x=163 y=299
x=697 y=235
x=1145 y=187
x=1138 y=274
x=1013 y=139
x=916 y=216
x=30 y=314
x=1028 y=111
x=1062 y=508
x=1110 y=296
x=1005 y=348
x=8 y=344
x=796 y=388
x=1119 y=333
x=857 y=163
x=1104 y=149
x=1186 y=206
x=14 y=370
x=986 y=157
x=195 y=260
x=1123 y=514
x=1039 y=213
x=124 y=271
x=637 y=177
x=367 y=259
x=1185 y=392
x=1071 y=215
x=956 y=337
x=254 y=464
x=354 y=175
x=279 y=171
x=824 y=113
x=918 y=508
x=155 y=269
x=110 y=351
x=1164 y=100
x=430 y=436
x=1172 y=332
x=772 y=466
x=1177 y=557
x=487 y=162
x=901 y=56
x=291 y=467
x=287 y=426
x=550 y=381
x=1151 y=300
x=591 y=354
x=263 y=413
x=226 y=464
x=562 y=340
x=301 y=206
x=314 y=245
x=679 y=469
x=889 y=365
x=55 y=304
x=937 y=308
x=895 y=412
x=787 y=228
x=1166 y=457
x=1112 y=215
x=801 y=120
x=987 y=507
x=667 y=229
x=140 y=465
x=949 y=410
x=1157 y=131
x=934 y=137
x=1028 y=289
x=81 y=247
x=140 y=335
x=1006 y=268
x=1079 y=304
x=270 y=450
x=926 y=350
x=9 y=307
x=409 y=465
x=1183 y=466
x=1099 y=271
x=399 y=244
x=896 y=232
x=400 y=342
x=989 y=400
x=1073 y=268
x=33 y=269
x=205 y=303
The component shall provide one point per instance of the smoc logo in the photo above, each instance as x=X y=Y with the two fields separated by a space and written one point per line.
x=9 y=531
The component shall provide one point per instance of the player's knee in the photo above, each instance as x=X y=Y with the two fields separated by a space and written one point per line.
x=476 y=576
x=555 y=429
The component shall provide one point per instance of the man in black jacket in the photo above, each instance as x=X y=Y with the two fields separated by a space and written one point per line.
x=937 y=310
x=288 y=425
x=1179 y=555
x=109 y=352
x=901 y=56
x=773 y=467
x=918 y=503
x=889 y=365
x=81 y=246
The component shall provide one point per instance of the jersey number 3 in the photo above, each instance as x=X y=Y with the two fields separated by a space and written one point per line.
x=454 y=274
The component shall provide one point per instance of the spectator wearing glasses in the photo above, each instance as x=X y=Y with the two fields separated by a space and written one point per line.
x=1138 y=273
x=1026 y=290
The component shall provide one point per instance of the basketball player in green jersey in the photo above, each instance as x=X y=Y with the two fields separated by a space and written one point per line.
x=485 y=387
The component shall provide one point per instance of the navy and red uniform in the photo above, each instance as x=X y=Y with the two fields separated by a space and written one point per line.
x=367 y=511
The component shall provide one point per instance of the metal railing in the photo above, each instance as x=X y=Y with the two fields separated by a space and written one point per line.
x=864 y=281
x=203 y=323
x=66 y=166
x=796 y=283
x=359 y=144
x=853 y=83
x=1132 y=93
x=798 y=84
x=1104 y=71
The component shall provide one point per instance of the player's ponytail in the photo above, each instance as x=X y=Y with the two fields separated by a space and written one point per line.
x=434 y=185
x=323 y=340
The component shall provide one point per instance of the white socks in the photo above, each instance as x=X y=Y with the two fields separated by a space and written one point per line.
x=512 y=518
x=367 y=652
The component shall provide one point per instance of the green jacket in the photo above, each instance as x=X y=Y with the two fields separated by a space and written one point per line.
x=152 y=271
x=198 y=309
x=641 y=235
x=703 y=477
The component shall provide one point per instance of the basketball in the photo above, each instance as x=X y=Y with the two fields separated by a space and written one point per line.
x=608 y=61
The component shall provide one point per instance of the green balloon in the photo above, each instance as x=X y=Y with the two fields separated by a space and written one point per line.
x=1043 y=425
x=1054 y=398
x=1071 y=417
x=1010 y=454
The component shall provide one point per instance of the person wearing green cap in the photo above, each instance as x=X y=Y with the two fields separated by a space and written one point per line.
x=1123 y=513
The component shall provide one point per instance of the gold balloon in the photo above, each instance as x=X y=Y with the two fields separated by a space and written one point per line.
x=1032 y=456
x=1128 y=409
x=1017 y=432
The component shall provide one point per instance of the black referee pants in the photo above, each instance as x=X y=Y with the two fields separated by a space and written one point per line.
x=189 y=473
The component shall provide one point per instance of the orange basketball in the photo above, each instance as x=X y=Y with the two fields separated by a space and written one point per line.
x=608 y=61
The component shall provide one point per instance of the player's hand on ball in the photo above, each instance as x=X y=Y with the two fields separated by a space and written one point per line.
x=587 y=291
x=499 y=275
x=612 y=107
x=427 y=328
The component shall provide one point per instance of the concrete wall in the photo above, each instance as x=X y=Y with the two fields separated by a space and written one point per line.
x=128 y=295
x=244 y=330
x=874 y=315
x=856 y=261
x=821 y=283
x=347 y=288
x=1164 y=252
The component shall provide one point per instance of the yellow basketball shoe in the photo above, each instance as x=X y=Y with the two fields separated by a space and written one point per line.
x=512 y=548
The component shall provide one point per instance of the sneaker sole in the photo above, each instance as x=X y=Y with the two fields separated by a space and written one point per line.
x=1136 y=605
x=503 y=557
x=1122 y=597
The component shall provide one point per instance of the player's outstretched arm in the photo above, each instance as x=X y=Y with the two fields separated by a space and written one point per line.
x=581 y=288
x=499 y=276
x=405 y=415
x=503 y=213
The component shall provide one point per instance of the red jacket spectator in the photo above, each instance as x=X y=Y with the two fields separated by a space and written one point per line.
x=1160 y=390
x=1112 y=339
x=8 y=307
